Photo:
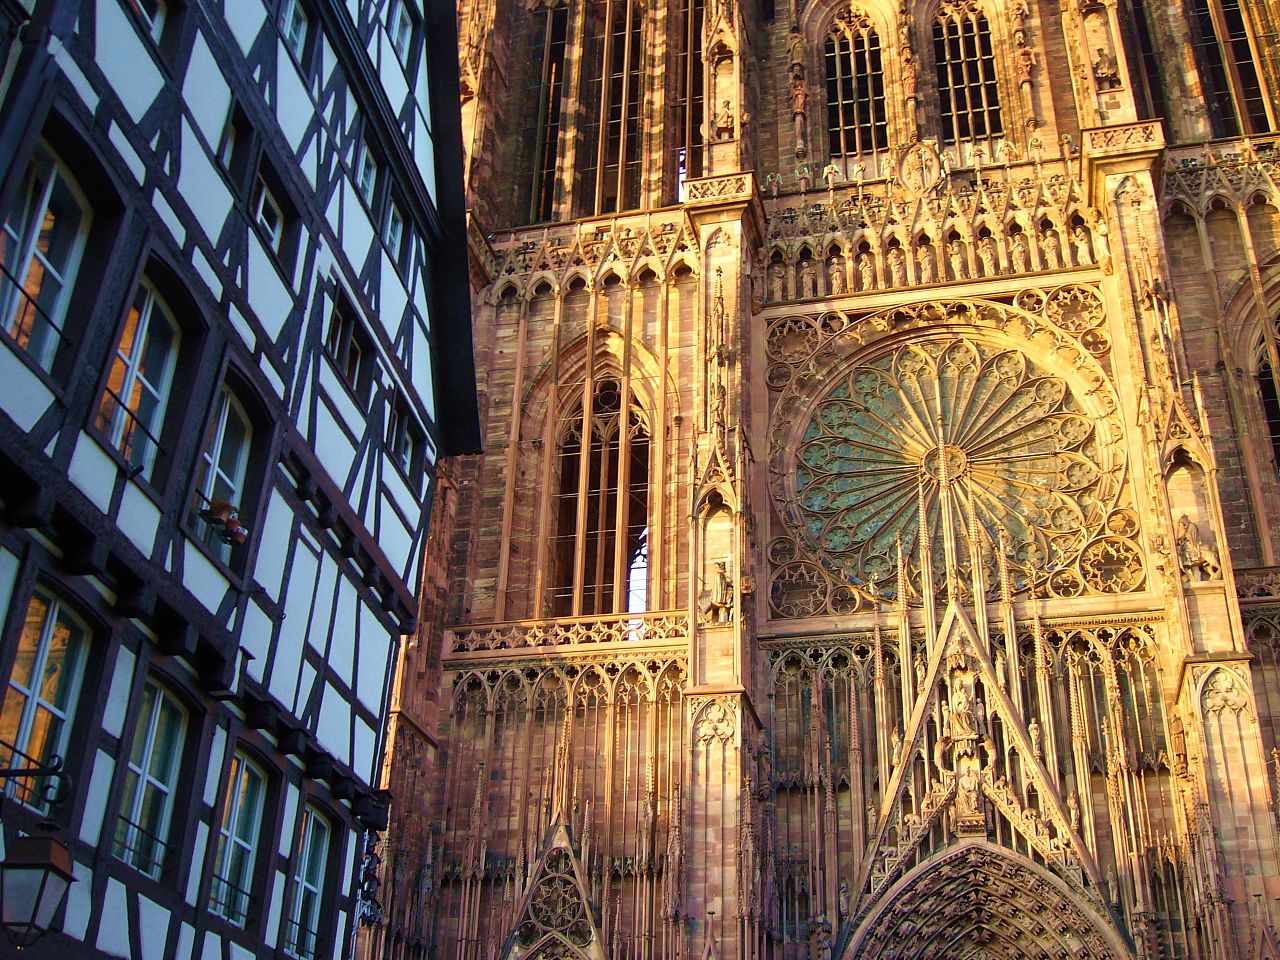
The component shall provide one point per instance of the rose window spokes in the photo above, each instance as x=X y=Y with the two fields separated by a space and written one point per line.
x=979 y=424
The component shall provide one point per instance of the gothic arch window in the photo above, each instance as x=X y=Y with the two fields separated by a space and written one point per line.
x=610 y=144
x=689 y=97
x=602 y=505
x=856 y=121
x=1228 y=68
x=1269 y=396
x=543 y=119
x=969 y=98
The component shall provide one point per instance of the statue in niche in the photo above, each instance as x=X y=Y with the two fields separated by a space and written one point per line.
x=1021 y=253
x=1002 y=676
x=895 y=747
x=777 y=281
x=1198 y=560
x=835 y=275
x=716 y=602
x=1105 y=70
x=964 y=723
x=1083 y=249
x=898 y=267
x=987 y=254
x=1033 y=734
x=1051 y=248
x=924 y=264
x=844 y=899
x=955 y=256
x=808 y=279
x=866 y=273
x=1102 y=247
x=1073 y=813
x=724 y=124
x=920 y=669
x=967 y=791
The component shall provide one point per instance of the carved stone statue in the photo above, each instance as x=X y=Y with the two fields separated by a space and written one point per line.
x=725 y=122
x=964 y=724
x=1084 y=250
x=1105 y=71
x=1024 y=62
x=1021 y=253
x=955 y=256
x=924 y=264
x=835 y=276
x=795 y=52
x=1033 y=733
x=898 y=267
x=808 y=279
x=844 y=899
x=799 y=97
x=987 y=254
x=777 y=281
x=1051 y=247
x=908 y=73
x=866 y=274
x=1198 y=560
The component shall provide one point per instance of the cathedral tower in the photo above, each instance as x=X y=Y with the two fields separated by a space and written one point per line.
x=875 y=551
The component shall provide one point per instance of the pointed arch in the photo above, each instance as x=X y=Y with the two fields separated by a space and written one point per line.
x=964 y=60
x=979 y=892
x=857 y=121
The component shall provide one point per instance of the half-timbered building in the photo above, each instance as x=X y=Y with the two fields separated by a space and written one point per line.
x=234 y=340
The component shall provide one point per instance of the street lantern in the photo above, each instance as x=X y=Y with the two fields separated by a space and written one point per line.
x=36 y=871
x=34 y=878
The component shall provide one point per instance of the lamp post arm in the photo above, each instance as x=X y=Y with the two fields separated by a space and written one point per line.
x=56 y=790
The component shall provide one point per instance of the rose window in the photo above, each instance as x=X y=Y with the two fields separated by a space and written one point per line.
x=980 y=425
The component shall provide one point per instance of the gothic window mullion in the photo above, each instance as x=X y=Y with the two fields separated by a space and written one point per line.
x=584 y=487
x=621 y=536
x=856 y=124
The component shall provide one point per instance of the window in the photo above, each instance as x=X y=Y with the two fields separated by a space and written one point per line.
x=224 y=462
x=303 y=925
x=404 y=439
x=236 y=146
x=133 y=404
x=400 y=29
x=396 y=234
x=44 y=686
x=294 y=25
x=610 y=151
x=603 y=507
x=689 y=96
x=40 y=249
x=966 y=70
x=542 y=123
x=1228 y=68
x=268 y=214
x=152 y=14
x=366 y=173
x=151 y=779
x=350 y=349
x=229 y=896
x=856 y=120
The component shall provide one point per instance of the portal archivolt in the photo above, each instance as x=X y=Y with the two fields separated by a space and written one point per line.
x=979 y=900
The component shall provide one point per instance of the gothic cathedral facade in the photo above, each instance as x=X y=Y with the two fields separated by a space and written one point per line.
x=876 y=551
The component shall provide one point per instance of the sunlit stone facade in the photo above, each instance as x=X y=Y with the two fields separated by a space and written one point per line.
x=875 y=549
